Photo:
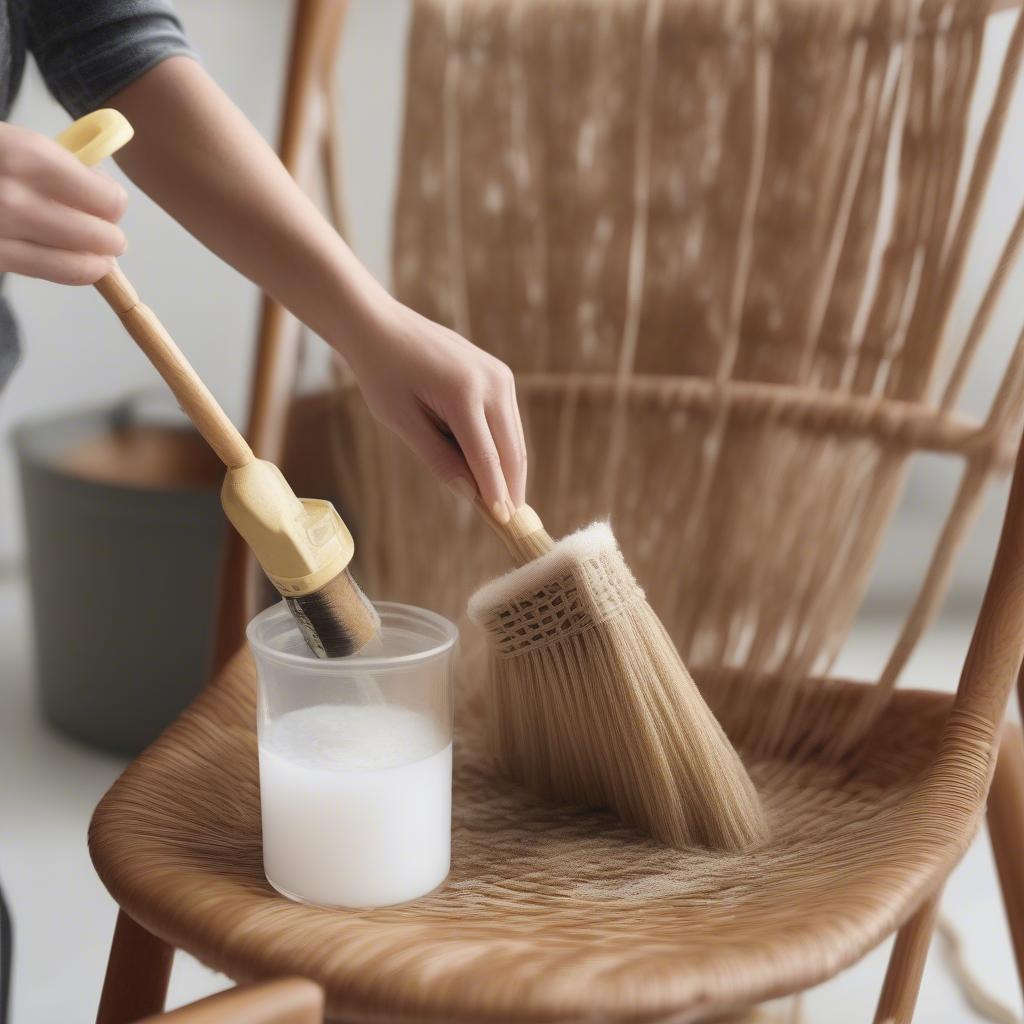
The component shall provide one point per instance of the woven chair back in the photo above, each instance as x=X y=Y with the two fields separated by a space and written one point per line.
x=723 y=247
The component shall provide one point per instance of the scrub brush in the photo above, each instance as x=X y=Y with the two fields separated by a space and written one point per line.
x=591 y=702
x=302 y=544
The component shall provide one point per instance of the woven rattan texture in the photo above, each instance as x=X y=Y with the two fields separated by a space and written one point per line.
x=550 y=913
x=721 y=245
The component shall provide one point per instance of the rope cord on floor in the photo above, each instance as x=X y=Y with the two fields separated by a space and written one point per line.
x=977 y=997
x=974 y=993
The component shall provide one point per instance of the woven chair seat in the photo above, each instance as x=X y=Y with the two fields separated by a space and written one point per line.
x=549 y=913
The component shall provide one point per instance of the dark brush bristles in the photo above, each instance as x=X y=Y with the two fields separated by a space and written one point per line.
x=337 y=620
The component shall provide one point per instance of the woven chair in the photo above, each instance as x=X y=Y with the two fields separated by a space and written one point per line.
x=750 y=463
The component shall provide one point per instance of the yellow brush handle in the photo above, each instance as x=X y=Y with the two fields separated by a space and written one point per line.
x=302 y=544
x=93 y=138
x=96 y=136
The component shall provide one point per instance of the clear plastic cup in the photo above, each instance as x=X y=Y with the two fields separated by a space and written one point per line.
x=356 y=760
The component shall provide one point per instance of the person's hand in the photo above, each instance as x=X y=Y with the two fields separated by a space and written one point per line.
x=450 y=401
x=58 y=218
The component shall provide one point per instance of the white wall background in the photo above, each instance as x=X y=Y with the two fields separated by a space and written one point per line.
x=75 y=354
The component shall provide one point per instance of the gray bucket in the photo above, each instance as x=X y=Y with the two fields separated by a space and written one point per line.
x=124 y=531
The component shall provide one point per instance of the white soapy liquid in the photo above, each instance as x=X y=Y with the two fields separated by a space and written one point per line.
x=356 y=804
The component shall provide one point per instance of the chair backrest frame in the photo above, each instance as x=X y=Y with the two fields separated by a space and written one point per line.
x=906 y=423
x=909 y=408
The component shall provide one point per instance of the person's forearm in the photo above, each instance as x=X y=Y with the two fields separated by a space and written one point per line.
x=198 y=156
x=200 y=159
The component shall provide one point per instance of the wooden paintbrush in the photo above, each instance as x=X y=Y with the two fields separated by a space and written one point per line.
x=302 y=544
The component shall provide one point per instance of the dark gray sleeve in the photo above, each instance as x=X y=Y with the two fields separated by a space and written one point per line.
x=89 y=49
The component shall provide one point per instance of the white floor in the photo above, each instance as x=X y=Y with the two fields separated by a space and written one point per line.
x=63 y=917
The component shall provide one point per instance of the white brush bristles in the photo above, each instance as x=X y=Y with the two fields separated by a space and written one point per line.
x=591 y=702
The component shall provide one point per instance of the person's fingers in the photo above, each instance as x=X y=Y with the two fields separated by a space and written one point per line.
x=60 y=175
x=473 y=435
x=439 y=453
x=57 y=265
x=507 y=431
x=35 y=218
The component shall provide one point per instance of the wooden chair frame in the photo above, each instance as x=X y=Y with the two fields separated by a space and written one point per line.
x=140 y=963
x=284 y=1001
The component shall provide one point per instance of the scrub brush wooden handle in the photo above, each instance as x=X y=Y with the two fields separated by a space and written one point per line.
x=92 y=139
x=524 y=534
x=302 y=544
x=192 y=394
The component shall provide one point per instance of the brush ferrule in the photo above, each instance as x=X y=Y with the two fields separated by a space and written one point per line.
x=328 y=542
x=302 y=544
x=300 y=586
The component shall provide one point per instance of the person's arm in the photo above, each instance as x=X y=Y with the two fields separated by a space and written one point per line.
x=58 y=220
x=198 y=156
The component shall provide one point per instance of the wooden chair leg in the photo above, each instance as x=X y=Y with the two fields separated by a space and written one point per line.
x=906 y=965
x=284 y=1001
x=1006 y=830
x=138 y=971
x=1020 y=691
